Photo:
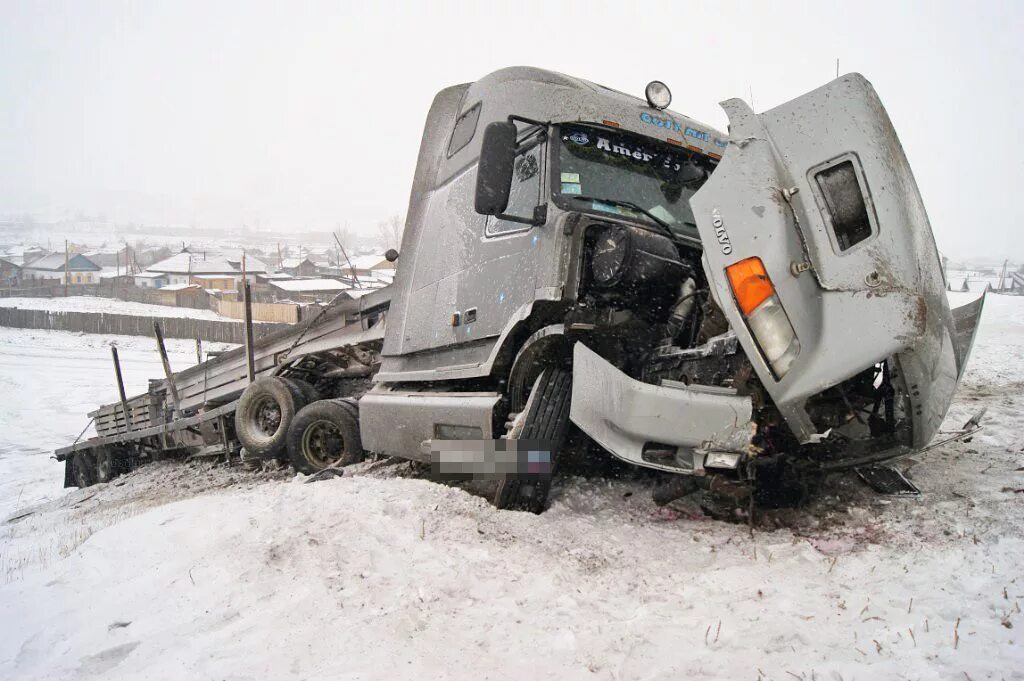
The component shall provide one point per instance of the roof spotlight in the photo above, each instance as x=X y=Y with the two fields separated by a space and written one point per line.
x=658 y=94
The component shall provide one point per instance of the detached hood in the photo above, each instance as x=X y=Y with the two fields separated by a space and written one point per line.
x=820 y=190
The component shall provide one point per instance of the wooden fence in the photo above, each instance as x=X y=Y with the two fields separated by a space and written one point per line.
x=279 y=313
x=131 y=325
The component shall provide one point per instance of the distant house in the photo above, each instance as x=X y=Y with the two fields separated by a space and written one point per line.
x=216 y=282
x=111 y=256
x=10 y=273
x=309 y=290
x=185 y=295
x=19 y=255
x=266 y=277
x=81 y=270
x=150 y=279
x=299 y=268
x=365 y=264
x=184 y=267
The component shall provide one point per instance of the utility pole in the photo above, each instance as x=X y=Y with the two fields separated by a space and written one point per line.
x=250 y=362
x=67 y=269
x=837 y=67
x=350 y=268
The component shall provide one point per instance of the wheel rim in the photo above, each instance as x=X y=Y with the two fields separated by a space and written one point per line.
x=104 y=467
x=81 y=475
x=323 y=444
x=266 y=416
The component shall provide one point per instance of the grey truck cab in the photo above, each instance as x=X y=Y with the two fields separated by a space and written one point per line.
x=579 y=265
x=719 y=305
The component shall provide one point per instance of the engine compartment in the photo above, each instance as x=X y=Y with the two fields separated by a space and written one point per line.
x=644 y=304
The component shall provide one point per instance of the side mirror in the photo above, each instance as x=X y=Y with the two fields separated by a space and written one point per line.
x=391 y=255
x=494 y=171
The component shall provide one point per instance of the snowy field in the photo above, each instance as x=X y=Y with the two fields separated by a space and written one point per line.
x=49 y=381
x=203 y=572
x=109 y=306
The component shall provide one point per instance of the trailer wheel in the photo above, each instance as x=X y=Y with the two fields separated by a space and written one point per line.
x=105 y=469
x=325 y=434
x=547 y=419
x=265 y=410
x=84 y=469
x=110 y=462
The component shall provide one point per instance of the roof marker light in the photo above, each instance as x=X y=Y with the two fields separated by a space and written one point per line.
x=658 y=95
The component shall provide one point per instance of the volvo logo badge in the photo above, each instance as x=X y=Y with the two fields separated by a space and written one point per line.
x=720 y=233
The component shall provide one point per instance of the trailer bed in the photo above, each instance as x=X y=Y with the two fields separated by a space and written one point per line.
x=210 y=390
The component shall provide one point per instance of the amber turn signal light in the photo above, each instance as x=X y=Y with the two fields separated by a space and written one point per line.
x=750 y=283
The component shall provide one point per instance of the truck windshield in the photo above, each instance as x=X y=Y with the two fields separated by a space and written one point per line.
x=629 y=169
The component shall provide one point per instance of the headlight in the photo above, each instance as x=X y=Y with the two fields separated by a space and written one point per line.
x=607 y=260
x=763 y=311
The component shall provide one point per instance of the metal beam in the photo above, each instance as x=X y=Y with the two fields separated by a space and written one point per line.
x=250 y=361
x=168 y=374
x=120 y=390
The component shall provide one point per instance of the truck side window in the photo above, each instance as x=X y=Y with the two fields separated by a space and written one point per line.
x=527 y=179
x=465 y=128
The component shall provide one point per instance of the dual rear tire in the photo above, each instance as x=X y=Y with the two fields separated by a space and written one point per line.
x=101 y=464
x=282 y=418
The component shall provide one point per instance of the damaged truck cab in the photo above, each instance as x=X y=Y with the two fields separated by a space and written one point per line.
x=580 y=265
x=695 y=302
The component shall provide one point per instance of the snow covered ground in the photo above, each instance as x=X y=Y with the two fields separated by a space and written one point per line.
x=211 y=572
x=49 y=381
x=109 y=306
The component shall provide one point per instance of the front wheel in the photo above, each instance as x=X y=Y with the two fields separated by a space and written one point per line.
x=324 y=434
x=546 y=418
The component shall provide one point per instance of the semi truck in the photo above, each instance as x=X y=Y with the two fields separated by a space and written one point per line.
x=742 y=308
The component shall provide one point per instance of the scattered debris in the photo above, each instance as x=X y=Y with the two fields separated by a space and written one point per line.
x=887 y=480
x=325 y=474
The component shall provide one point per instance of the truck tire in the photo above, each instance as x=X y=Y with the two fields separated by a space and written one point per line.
x=83 y=469
x=265 y=410
x=325 y=434
x=547 y=418
x=308 y=392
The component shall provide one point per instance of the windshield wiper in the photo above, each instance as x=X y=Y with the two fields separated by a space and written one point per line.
x=629 y=204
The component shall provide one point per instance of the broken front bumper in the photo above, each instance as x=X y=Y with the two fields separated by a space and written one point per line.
x=675 y=427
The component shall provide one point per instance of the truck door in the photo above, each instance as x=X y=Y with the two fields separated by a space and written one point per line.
x=474 y=273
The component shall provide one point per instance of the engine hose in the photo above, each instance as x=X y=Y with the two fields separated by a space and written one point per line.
x=682 y=308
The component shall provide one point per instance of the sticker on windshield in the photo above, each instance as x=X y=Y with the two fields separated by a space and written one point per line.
x=605 y=207
x=571 y=177
x=572 y=188
x=580 y=137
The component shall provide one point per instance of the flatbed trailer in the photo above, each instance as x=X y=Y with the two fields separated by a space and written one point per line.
x=202 y=423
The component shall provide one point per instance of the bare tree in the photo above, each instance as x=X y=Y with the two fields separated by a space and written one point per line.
x=390 y=231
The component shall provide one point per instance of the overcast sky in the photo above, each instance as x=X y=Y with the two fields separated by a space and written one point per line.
x=293 y=115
